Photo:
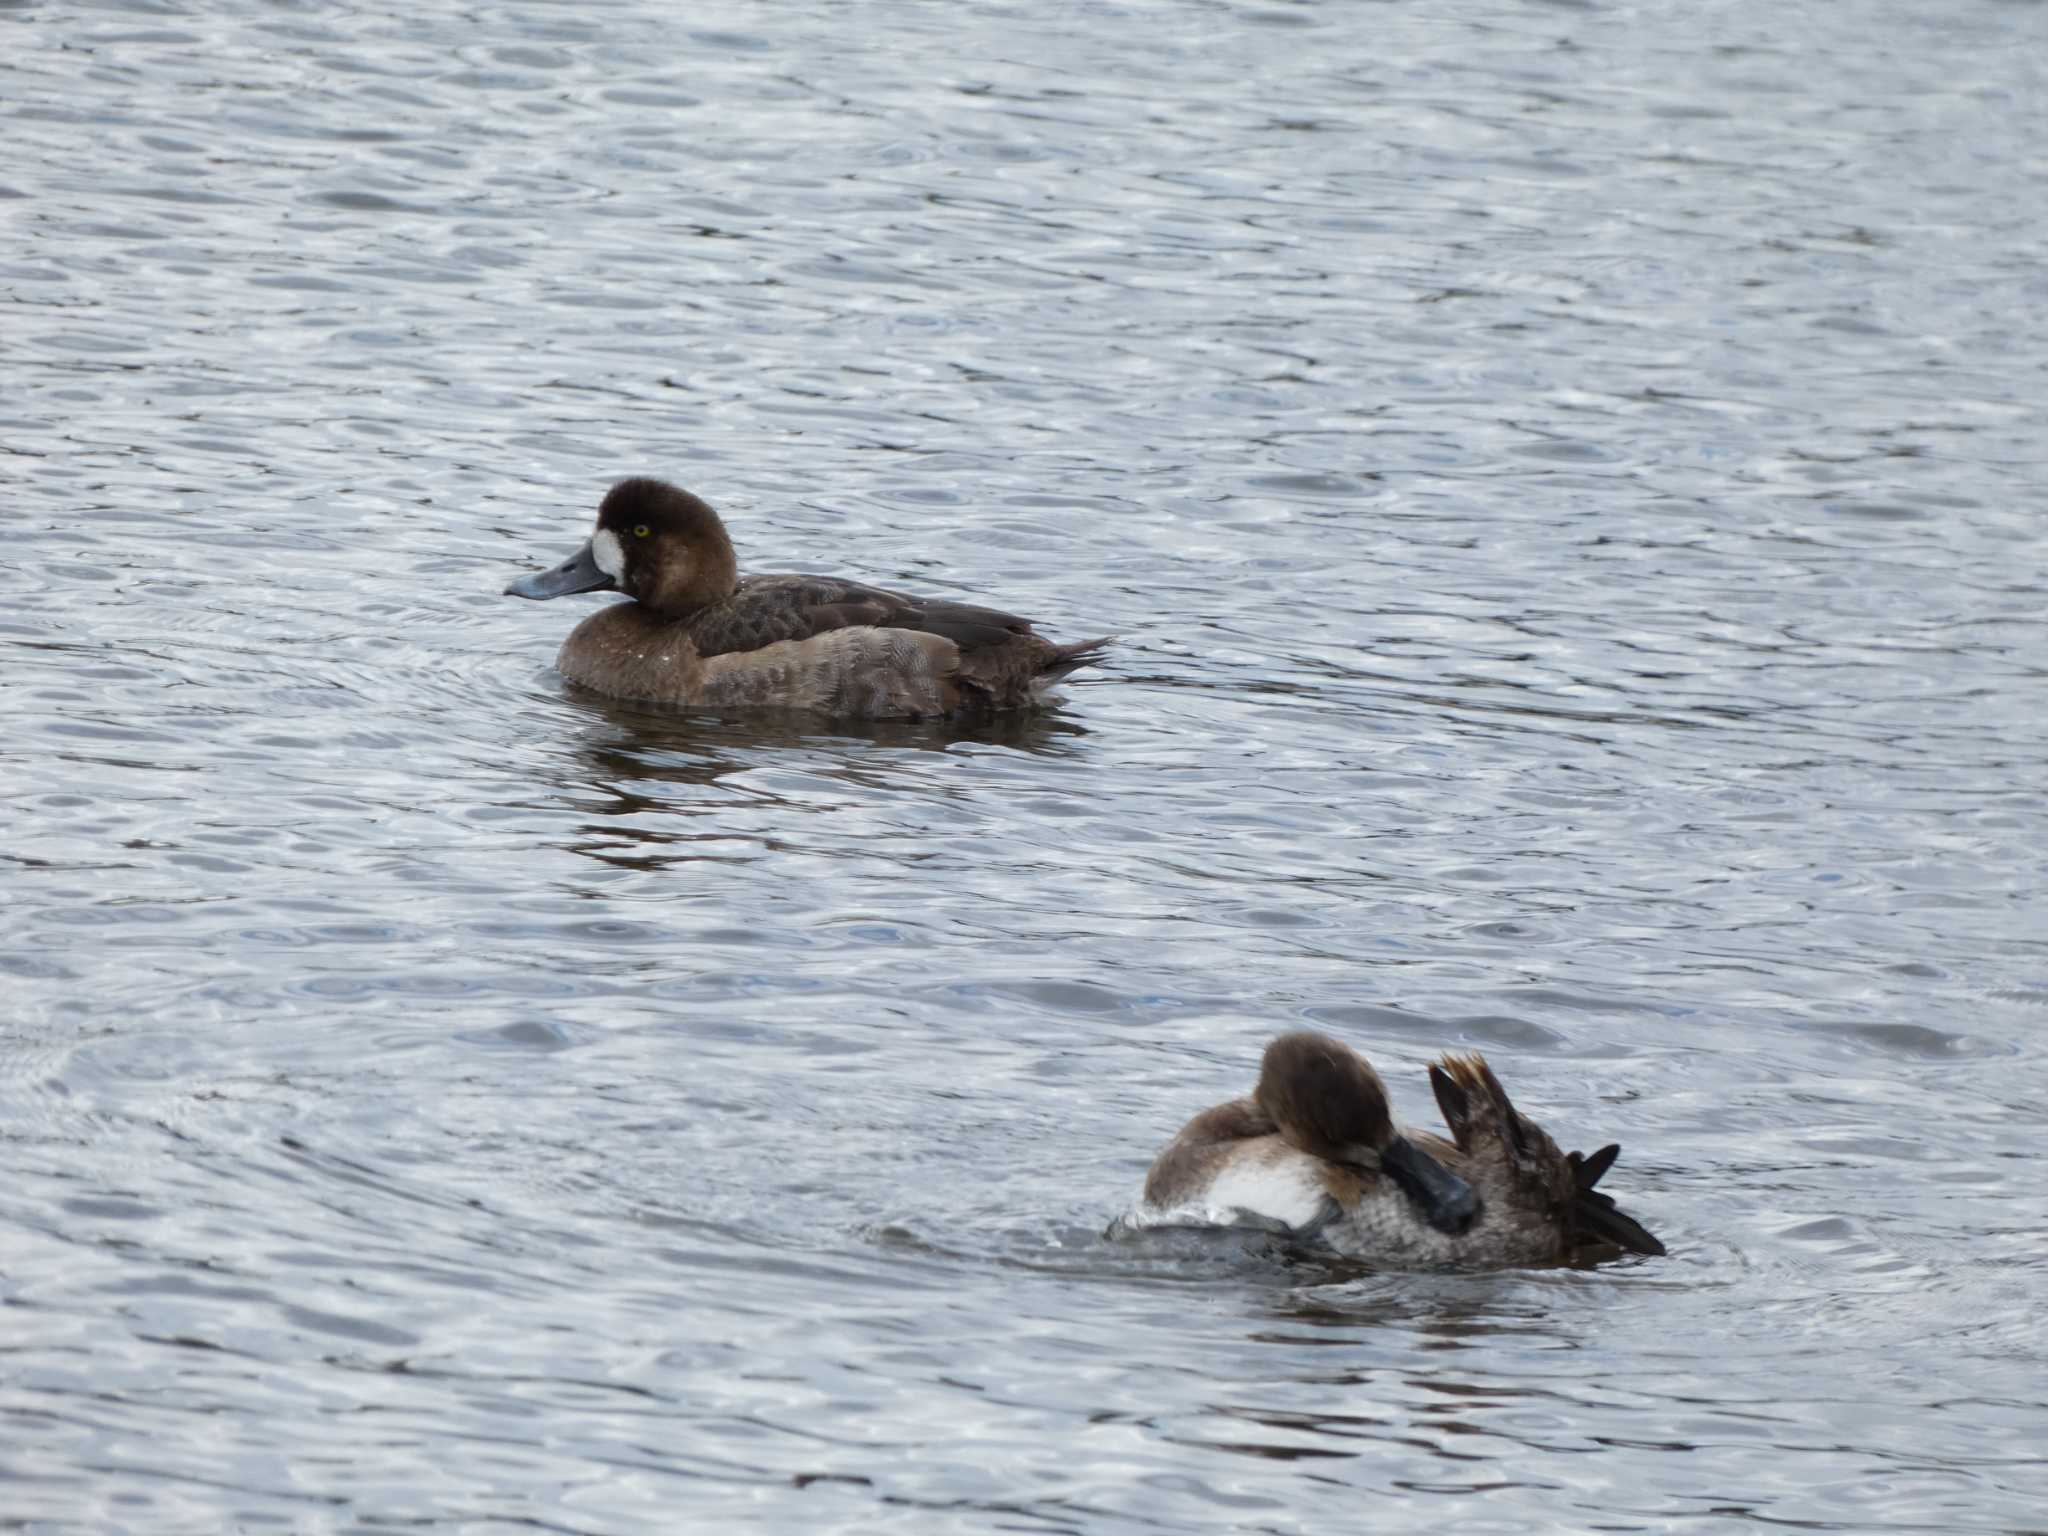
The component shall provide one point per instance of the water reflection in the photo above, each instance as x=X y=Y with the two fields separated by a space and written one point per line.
x=642 y=772
x=726 y=742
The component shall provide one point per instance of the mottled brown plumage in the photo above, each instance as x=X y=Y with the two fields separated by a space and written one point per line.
x=1548 y=1194
x=1309 y=1153
x=698 y=633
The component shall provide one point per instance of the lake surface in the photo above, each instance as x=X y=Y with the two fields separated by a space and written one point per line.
x=1567 y=480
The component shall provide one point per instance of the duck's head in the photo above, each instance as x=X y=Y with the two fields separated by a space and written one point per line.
x=1537 y=1180
x=656 y=543
x=1327 y=1100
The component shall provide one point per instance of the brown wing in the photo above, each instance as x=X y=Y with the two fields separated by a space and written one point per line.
x=1204 y=1144
x=771 y=608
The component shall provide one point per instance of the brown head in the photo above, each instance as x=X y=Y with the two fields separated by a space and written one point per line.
x=656 y=543
x=1328 y=1102
x=1528 y=1178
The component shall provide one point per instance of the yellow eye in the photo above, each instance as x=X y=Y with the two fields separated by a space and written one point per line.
x=639 y=530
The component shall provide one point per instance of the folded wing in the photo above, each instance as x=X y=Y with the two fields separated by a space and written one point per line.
x=771 y=608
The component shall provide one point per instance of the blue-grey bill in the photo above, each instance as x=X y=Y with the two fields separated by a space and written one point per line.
x=578 y=573
x=1446 y=1201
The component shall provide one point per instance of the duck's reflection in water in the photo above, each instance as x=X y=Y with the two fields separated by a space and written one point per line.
x=658 y=785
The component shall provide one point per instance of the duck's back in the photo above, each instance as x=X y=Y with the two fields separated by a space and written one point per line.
x=769 y=608
x=993 y=660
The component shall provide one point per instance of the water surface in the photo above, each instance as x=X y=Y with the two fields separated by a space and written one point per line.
x=1566 y=480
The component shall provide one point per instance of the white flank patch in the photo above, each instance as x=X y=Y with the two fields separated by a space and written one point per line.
x=1286 y=1190
x=609 y=554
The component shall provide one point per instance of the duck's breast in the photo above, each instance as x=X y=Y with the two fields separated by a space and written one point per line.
x=1382 y=1225
x=622 y=652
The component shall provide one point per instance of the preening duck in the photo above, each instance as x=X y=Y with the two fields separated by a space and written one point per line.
x=698 y=633
x=1315 y=1151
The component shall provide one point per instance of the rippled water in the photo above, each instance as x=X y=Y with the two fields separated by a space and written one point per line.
x=1567 y=480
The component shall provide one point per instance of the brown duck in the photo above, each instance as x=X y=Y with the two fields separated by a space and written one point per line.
x=698 y=633
x=1315 y=1152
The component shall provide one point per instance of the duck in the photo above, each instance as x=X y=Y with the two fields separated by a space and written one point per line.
x=1316 y=1153
x=698 y=633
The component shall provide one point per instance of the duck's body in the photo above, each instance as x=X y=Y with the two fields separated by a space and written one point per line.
x=698 y=634
x=1288 y=1158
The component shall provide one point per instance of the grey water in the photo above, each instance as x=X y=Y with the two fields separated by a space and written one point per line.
x=1567 y=482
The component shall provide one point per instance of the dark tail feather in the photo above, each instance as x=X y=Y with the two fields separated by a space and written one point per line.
x=1597 y=1214
x=1066 y=658
x=1587 y=1171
